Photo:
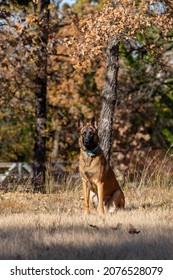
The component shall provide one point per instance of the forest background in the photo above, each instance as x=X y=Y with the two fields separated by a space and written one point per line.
x=55 y=66
x=143 y=118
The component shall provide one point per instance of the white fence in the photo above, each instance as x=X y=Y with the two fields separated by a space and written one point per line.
x=16 y=170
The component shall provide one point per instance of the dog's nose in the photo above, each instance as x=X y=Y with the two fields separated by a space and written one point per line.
x=87 y=140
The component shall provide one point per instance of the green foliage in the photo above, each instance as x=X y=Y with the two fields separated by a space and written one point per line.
x=164 y=109
x=22 y=2
x=81 y=6
x=151 y=85
x=16 y=139
x=16 y=2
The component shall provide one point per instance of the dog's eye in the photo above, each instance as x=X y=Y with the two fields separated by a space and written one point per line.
x=84 y=133
x=90 y=133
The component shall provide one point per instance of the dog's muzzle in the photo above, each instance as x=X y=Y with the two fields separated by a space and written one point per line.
x=88 y=141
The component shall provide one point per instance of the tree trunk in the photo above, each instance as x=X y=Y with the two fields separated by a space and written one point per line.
x=40 y=100
x=109 y=98
x=55 y=149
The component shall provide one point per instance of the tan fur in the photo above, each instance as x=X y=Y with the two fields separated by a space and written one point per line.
x=98 y=178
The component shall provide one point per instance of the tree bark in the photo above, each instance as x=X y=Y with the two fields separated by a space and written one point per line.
x=39 y=166
x=109 y=98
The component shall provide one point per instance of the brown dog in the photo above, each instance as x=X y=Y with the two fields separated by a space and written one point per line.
x=99 y=183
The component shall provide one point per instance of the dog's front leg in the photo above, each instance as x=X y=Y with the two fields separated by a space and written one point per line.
x=100 y=197
x=86 y=192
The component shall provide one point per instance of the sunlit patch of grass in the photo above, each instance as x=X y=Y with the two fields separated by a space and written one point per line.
x=11 y=207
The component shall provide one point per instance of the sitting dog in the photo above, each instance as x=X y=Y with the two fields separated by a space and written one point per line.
x=100 y=186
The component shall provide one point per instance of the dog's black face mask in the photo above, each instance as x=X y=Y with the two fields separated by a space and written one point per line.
x=88 y=135
x=88 y=139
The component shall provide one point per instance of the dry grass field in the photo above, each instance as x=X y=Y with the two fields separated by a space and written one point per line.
x=52 y=226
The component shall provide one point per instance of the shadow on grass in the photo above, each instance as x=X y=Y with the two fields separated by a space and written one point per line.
x=83 y=242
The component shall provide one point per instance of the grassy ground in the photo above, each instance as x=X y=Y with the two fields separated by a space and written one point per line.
x=52 y=226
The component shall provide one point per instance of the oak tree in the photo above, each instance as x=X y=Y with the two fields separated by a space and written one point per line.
x=118 y=21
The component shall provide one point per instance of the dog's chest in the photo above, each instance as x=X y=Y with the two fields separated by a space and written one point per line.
x=90 y=178
x=90 y=171
x=89 y=175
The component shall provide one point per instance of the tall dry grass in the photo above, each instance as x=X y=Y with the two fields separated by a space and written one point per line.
x=52 y=226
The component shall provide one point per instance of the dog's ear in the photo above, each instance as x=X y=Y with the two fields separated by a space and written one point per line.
x=94 y=123
x=80 y=124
